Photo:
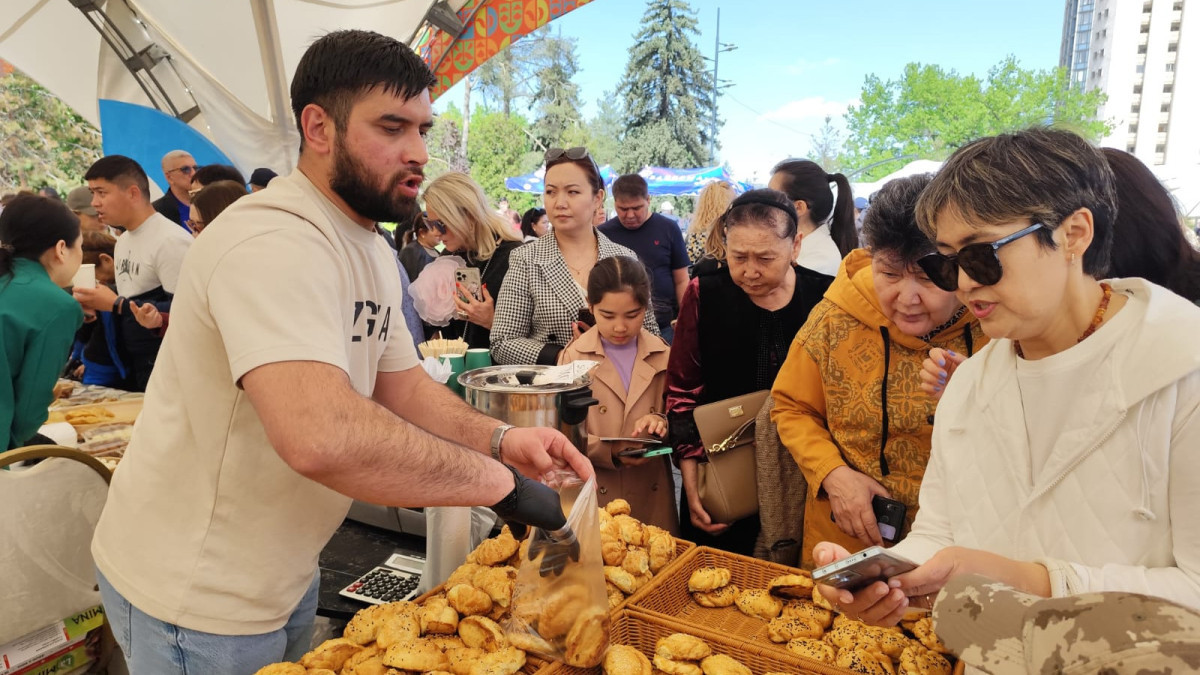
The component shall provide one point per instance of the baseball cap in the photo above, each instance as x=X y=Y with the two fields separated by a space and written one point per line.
x=1003 y=631
x=80 y=199
x=262 y=176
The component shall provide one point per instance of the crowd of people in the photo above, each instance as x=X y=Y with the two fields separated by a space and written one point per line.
x=1000 y=349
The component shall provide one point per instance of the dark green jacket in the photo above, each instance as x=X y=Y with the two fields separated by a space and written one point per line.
x=38 y=321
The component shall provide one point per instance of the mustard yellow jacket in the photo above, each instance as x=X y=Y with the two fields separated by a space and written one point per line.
x=849 y=395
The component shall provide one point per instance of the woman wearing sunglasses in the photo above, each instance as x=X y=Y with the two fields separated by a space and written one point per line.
x=458 y=209
x=542 y=305
x=1065 y=453
x=848 y=403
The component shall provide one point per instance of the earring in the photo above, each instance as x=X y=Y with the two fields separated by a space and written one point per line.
x=1072 y=258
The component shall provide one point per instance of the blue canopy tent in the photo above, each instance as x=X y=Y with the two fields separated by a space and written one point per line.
x=661 y=180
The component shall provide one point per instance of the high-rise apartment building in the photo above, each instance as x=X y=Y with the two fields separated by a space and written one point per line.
x=1145 y=55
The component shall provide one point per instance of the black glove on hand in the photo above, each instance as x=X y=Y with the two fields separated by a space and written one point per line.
x=532 y=503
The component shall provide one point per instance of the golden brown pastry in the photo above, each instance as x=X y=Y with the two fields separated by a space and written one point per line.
x=617 y=507
x=496 y=550
x=400 y=627
x=623 y=580
x=637 y=562
x=661 y=547
x=631 y=530
x=917 y=660
x=370 y=666
x=615 y=596
x=784 y=629
x=320 y=671
x=864 y=661
x=851 y=634
x=281 y=669
x=811 y=648
x=459 y=660
x=498 y=583
x=447 y=642
x=523 y=637
x=720 y=664
x=365 y=624
x=807 y=611
x=709 y=579
x=682 y=647
x=722 y=597
x=613 y=550
x=361 y=655
x=588 y=639
x=502 y=662
x=923 y=630
x=820 y=601
x=464 y=574
x=891 y=642
x=437 y=616
x=416 y=654
x=673 y=667
x=561 y=611
x=791 y=586
x=625 y=660
x=331 y=654
x=468 y=600
x=482 y=632
x=759 y=603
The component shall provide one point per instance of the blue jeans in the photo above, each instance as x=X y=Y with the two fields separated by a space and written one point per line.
x=154 y=647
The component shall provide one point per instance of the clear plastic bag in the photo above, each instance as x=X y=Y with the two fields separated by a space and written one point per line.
x=564 y=616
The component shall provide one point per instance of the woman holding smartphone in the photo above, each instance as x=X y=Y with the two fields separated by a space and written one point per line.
x=538 y=310
x=1065 y=452
x=457 y=208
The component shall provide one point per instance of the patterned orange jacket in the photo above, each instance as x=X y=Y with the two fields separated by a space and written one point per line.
x=849 y=395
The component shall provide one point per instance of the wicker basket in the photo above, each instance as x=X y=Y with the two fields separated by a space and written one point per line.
x=681 y=548
x=668 y=597
x=643 y=631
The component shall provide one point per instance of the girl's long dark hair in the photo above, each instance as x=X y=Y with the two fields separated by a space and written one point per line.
x=805 y=181
x=30 y=225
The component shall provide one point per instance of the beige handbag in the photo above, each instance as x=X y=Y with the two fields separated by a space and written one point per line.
x=728 y=481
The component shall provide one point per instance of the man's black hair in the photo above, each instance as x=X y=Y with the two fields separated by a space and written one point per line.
x=343 y=65
x=120 y=170
x=212 y=173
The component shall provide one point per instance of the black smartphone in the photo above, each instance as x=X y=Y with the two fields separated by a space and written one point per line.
x=889 y=516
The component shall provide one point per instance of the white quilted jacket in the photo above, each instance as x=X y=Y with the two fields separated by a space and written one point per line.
x=1117 y=505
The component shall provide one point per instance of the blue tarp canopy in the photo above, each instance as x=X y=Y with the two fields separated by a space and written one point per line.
x=662 y=180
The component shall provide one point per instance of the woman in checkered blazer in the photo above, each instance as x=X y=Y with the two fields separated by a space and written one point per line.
x=538 y=310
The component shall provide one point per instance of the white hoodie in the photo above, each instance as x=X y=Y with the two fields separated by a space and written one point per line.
x=1114 y=507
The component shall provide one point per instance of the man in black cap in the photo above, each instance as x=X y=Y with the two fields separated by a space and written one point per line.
x=260 y=178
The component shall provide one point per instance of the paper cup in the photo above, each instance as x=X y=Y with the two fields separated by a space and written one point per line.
x=85 y=277
x=478 y=358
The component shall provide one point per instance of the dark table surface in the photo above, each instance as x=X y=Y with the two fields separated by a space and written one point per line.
x=354 y=550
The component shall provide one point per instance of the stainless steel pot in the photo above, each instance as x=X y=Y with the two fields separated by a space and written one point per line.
x=507 y=393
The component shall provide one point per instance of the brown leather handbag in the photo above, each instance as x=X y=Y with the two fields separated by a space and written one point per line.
x=728 y=480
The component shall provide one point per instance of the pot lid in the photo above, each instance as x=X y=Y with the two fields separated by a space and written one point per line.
x=529 y=379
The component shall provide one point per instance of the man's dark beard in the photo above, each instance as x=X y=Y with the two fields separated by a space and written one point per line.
x=352 y=182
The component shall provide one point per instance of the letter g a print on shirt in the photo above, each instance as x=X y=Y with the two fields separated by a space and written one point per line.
x=368 y=322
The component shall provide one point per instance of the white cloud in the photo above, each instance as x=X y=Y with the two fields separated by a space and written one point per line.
x=805 y=66
x=817 y=107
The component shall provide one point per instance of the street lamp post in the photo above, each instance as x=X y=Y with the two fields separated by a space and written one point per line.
x=718 y=47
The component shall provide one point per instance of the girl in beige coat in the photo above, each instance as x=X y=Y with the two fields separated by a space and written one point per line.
x=629 y=384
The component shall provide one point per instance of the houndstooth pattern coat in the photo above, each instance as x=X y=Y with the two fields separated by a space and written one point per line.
x=539 y=302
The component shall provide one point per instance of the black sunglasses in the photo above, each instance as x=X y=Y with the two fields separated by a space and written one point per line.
x=577 y=152
x=437 y=225
x=981 y=262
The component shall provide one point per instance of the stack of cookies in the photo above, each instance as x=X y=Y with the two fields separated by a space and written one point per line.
x=633 y=552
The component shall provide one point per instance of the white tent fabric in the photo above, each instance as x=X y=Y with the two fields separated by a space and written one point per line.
x=911 y=169
x=235 y=56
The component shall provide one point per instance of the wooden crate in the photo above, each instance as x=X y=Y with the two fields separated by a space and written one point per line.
x=642 y=632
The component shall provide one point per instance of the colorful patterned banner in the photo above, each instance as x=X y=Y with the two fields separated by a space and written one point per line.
x=491 y=25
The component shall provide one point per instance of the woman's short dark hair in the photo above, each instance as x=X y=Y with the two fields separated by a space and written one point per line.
x=531 y=217
x=1148 y=239
x=763 y=207
x=30 y=225
x=890 y=225
x=805 y=181
x=342 y=66
x=616 y=274
x=1041 y=175
x=212 y=199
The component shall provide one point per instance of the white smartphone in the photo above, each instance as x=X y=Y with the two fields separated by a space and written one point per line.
x=469 y=278
x=862 y=569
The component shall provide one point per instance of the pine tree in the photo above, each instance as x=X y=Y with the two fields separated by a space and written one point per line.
x=555 y=100
x=668 y=91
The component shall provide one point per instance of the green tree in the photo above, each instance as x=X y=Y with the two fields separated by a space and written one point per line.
x=555 y=98
x=498 y=147
x=826 y=148
x=42 y=140
x=444 y=144
x=930 y=112
x=606 y=129
x=667 y=91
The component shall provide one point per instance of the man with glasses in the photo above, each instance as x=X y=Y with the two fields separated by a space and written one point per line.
x=177 y=167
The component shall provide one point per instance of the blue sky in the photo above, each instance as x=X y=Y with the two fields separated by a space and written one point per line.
x=797 y=61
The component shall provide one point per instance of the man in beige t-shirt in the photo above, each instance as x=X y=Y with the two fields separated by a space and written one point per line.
x=288 y=386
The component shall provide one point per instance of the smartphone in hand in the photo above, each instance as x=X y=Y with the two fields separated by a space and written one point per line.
x=889 y=516
x=862 y=569
x=469 y=278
